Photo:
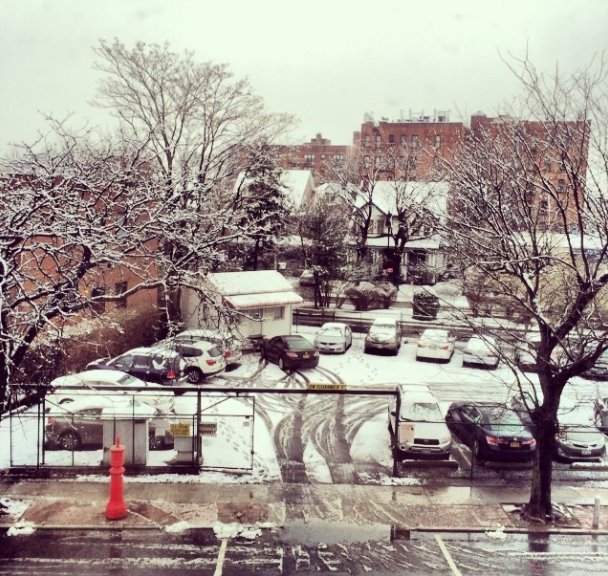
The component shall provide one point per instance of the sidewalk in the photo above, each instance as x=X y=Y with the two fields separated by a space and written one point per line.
x=81 y=504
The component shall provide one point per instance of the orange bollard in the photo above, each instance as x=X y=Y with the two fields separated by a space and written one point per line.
x=116 y=508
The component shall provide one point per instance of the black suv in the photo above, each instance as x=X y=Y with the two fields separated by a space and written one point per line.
x=151 y=365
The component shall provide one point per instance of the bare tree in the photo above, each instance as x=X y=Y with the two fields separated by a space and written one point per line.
x=530 y=216
x=194 y=123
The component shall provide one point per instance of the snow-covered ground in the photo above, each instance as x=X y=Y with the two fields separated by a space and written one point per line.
x=245 y=444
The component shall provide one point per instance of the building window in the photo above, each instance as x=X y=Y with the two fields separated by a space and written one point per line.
x=367 y=140
x=309 y=158
x=547 y=164
x=120 y=288
x=97 y=306
x=378 y=139
x=437 y=141
x=366 y=161
x=415 y=141
x=413 y=162
x=561 y=185
x=338 y=158
x=391 y=139
x=380 y=225
x=276 y=313
x=404 y=142
x=322 y=157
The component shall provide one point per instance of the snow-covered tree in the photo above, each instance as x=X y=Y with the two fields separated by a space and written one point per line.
x=531 y=214
x=323 y=227
x=263 y=202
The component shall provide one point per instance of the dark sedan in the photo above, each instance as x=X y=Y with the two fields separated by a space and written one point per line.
x=148 y=364
x=492 y=431
x=291 y=352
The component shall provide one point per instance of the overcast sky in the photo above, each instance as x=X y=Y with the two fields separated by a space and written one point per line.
x=325 y=61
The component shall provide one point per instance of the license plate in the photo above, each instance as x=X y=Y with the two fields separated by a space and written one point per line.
x=514 y=444
x=306 y=356
x=585 y=452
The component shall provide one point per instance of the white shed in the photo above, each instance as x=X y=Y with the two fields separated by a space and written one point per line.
x=263 y=299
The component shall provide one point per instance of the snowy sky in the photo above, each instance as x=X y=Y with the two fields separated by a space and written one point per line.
x=327 y=62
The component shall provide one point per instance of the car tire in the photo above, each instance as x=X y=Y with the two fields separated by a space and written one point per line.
x=155 y=442
x=70 y=440
x=476 y=449
x=281 y=363
x=262 y=354
x=194 y=375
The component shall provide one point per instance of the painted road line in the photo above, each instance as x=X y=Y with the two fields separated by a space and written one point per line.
x=220 y=558
x=447 y=556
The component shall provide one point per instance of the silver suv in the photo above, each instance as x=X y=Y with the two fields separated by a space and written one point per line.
x=225 y=341
x=384 y=334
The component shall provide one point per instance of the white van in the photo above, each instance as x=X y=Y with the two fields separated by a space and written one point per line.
x=419 y=430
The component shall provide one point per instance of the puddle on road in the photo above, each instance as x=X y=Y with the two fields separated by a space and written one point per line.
x=320 y=531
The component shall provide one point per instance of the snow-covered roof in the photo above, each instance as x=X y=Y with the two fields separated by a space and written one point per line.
x=295 y=183
x=434 y=195
x=431 y=243
x=267 y=300
x=251 y=282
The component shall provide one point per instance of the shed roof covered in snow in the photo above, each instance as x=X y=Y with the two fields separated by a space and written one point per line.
x=254 y=289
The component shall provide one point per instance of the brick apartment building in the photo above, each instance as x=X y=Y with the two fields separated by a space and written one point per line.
x=318 y=155
x=409 y=148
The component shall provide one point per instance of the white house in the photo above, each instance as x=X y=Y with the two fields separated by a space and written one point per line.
x=261 y=302
x=423 y=255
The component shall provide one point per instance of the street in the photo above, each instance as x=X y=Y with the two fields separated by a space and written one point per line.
x=302 y=549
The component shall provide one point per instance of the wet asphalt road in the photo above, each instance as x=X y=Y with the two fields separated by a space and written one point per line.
x=300 y=549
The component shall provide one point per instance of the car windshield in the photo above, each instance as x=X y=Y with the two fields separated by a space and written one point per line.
x=382 y=329
x=298 y=344
x=421 y=412
x=505 y=422
x=128 y=380
x=333 y=330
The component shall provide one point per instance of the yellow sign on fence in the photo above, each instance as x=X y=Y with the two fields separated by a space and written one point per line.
x=326 y=387
x=180 y=429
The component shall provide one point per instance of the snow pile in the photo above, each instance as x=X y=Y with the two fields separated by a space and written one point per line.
x=178 y=527
x=498 y=534
x=227 y=531
x=21 y=529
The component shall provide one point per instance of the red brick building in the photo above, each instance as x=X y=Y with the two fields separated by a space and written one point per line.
x=318 y=155
x=409 y=149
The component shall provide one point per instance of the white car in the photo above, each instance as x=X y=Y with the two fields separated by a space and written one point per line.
x=228 y=343
x=89 y=382
x=201 y=358
x=334 y=337
x=384 y=334
x=481 y=351
x=435 y=344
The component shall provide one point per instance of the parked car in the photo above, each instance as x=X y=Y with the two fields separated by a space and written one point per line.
x=227 y=342
x=290 y=352
x=163 y=366
x=73 y=386
x=601 y=413
x=418 y=430
x=525 y=352
x=599 y=371
x=201 y=358
x=577 y=439
x=481 y=351
x=435 y=344
x=492 y=431
x=334 y=337
x=80 y=423
x=383 y=334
